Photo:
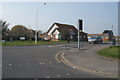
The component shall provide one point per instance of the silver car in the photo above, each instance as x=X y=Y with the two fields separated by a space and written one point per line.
x=96 y=39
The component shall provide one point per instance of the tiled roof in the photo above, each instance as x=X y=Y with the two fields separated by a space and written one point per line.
x=64 y=26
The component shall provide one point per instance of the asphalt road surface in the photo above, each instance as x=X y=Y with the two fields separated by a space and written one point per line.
x=38 y=61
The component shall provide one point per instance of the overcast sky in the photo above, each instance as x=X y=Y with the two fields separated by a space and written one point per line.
x=97 y=16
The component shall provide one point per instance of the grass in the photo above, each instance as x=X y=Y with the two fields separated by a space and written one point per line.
x=111 y=52
x=32 y=42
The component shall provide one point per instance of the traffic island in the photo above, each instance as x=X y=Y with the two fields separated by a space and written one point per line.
x=89 y=61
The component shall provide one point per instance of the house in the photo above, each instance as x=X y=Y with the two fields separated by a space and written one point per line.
x=43 y=36
x=60 y=31
x=109 y=33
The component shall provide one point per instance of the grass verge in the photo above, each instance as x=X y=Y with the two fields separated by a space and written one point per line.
x=112 y=52
x=33 y=43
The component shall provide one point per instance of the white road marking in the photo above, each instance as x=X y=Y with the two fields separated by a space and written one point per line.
x=0 y=65
x=67 y=74
x=10 y=64
x=50 y=62
x=47 y=76
x=58 y=75
x=40 y=63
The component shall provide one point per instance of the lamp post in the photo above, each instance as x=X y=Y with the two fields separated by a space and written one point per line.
x=37 y=24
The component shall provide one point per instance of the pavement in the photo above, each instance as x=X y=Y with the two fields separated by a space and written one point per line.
x=86 y=59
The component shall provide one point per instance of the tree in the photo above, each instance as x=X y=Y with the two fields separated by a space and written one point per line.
x=21 y=31
x=30 y=33
x=4 y=29
x=18 y=31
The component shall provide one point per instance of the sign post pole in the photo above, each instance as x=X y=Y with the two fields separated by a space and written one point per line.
x=79 y=29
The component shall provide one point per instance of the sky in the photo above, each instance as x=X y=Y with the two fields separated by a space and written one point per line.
x=96 y=16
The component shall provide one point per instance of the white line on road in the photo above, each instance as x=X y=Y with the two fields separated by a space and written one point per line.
x=67 y=74
x=40 y=63
x=58 y=75
x=0 y=65
x=47 y=76
x=50 y=62
x=10 y=64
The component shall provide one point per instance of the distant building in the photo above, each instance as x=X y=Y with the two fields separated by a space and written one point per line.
x=43 y=36
x=60 y=31
x=117 y=38
x=105 y=37
x=109 y=33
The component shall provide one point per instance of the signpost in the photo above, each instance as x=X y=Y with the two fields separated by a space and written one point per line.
x=79 y=29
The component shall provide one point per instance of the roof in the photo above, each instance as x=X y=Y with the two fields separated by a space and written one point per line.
x=97 y=34
x=62 y=27
x=107 y=31
x=94 y=34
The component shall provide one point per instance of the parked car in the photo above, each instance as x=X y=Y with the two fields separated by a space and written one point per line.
x=96 y=39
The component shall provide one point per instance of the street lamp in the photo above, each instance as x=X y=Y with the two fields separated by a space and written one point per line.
x=37 y=24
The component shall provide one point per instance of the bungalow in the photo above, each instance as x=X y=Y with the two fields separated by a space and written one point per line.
x=60 y=31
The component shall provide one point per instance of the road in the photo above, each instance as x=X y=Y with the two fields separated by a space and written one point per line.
x=38 y=61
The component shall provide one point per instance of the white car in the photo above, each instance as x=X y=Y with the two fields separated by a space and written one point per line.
x=97 y=39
